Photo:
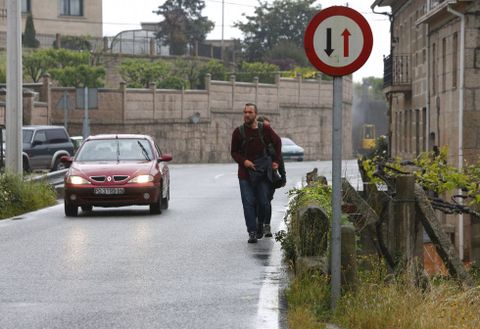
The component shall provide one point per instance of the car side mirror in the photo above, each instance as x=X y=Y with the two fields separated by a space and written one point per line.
x=66 y=160
x=35 y=143
x=165 y=158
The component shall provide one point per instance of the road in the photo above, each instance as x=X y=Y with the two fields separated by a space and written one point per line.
x=190 y=267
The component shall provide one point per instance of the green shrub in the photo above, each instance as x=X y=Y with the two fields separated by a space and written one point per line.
x=172 y=82
x=73 y=43
x=18 y=196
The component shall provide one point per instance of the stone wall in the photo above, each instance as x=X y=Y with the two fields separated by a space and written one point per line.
x=196 y=125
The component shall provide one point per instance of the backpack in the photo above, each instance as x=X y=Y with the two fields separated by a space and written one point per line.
x=269 y=148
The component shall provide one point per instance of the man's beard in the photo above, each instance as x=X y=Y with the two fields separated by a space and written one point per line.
x=249 y=121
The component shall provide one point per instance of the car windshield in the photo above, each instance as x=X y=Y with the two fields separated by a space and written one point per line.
x=131 y=149
x=287 y=141
x=27 y=135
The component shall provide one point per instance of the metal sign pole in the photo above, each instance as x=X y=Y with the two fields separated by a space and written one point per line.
x=14 y=112
x=336 y=187
x=337 y=50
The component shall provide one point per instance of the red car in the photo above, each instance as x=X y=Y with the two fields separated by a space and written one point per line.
x=117 y=170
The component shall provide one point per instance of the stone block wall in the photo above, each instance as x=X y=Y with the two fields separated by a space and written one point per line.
x=196 y=125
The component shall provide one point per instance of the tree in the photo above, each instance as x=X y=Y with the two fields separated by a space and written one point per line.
x=183 y=24
x=3 y=75
x=215 y=68
x=79 y=76
x=140 y=73
x=29 y=37
x=286 y=55
x=37 y=63
x=371 y=86
x=41 y=61
x=69 y=68
x=265 y=72
x=283 y=20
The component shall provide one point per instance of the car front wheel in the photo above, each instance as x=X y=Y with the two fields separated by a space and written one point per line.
x=164 y=204
x=156 y=208
x=70 y=210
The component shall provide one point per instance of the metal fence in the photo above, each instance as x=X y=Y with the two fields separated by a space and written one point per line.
x=396 y=70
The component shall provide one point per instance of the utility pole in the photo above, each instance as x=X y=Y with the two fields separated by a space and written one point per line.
x=223 y=26
x=14 y=112
x=86 y=123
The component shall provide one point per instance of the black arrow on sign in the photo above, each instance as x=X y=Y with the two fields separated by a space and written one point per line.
x=329 y=49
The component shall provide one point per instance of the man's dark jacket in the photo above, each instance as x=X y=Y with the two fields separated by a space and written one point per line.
x=253 y=148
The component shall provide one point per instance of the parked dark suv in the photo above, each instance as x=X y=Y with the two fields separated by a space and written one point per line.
x=43 y=146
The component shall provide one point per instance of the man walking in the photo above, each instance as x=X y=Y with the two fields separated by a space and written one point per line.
x=267 y=231
x=255 y=167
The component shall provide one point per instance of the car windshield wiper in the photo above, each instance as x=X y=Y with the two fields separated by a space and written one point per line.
x=144 y=151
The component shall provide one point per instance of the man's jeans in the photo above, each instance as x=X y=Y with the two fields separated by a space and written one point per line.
x=255 y=202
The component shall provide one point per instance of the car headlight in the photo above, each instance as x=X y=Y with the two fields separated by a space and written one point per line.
x=77 y=180
x=141 y=179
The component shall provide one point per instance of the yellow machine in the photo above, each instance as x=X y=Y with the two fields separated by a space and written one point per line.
x=368 y=136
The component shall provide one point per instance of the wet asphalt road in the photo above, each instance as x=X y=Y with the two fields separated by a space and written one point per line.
x=190 y=267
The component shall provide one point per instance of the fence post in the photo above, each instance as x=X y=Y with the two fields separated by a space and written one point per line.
x=299 y=78
x=255 y=81
x=105 y=44
x=153 y=87
x=152 y=47
x=408 y=232
x=232 y=81
x=476 y=241
x=348 y=257
x=58 y=40
x=123 y=90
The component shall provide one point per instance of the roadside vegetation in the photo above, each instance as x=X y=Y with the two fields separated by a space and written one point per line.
x=383 y=299
x=18 y=196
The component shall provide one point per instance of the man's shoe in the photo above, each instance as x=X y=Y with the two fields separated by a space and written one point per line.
x=267 y=231
x=252 y=237
x=259 y=231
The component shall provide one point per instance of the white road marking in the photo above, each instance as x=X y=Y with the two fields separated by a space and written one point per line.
x=218 y=176
x=268 y=312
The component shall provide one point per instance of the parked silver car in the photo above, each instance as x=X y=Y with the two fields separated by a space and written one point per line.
x=291 y=151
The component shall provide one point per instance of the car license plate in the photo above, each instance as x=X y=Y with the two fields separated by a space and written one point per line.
x=108 y=190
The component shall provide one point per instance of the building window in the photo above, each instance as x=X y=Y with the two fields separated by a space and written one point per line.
x=455 y=60
x=71 y=7
x=26 y=6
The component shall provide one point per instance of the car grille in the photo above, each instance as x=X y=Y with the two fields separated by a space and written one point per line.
x=98 y=178
x=116 y=178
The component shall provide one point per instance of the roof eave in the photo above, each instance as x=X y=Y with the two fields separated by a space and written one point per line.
x=381 y=3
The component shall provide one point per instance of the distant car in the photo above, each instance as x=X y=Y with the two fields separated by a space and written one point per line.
x=117 y=170
x=291 y=151
x=43 y=147
x=77 y=141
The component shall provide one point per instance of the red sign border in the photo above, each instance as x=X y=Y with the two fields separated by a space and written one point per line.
x=310 y=32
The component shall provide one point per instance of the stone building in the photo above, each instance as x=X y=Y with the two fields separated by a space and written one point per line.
x=68 y=17
x=432 y=85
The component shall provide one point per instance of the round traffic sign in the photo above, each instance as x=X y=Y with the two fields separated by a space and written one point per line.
x=338 y=41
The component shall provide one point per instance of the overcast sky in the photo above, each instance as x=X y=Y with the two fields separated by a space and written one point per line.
x=120 y=15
